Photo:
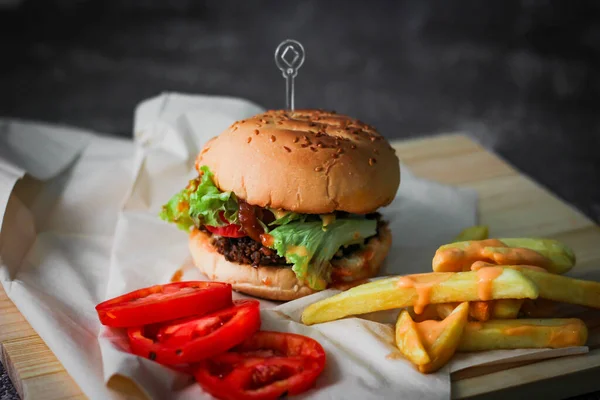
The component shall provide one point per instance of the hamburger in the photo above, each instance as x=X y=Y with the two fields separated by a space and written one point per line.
x=285 y=203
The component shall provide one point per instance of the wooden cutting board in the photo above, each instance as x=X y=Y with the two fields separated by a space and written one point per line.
x=510 y=203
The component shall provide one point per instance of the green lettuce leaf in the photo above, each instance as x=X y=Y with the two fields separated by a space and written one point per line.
x=288 y=218
x=201 y=203
x=310 y=248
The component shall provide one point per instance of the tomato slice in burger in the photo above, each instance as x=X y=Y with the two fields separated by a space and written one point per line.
x=196 y=338
x=230 y=230
x=164 y=302
x=268 y=365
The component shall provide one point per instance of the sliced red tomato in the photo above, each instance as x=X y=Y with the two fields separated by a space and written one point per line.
x=196 y=338
x=268 y=365
x=164 y=302
x=230 y=230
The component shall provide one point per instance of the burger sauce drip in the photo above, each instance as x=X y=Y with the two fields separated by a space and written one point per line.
x=249 y=215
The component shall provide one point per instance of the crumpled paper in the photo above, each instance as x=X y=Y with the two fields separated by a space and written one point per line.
x=82 y=227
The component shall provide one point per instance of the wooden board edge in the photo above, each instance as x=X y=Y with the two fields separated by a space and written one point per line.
x=504 y=383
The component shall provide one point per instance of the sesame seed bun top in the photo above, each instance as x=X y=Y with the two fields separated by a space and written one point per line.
x=307 y=161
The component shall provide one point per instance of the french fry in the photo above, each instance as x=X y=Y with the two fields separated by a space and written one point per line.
x=418 y=291
x=430 y=344
x=445 y=309
x=484 y=310
x=506 y=308
x=408 y=340
x=563 y=289
x=442 y=348
x=477 y=232
x=523 y=334
x=480 y=310
x=429 y=312
x=546 y=253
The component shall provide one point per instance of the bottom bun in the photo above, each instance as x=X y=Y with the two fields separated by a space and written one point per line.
x=280 y=283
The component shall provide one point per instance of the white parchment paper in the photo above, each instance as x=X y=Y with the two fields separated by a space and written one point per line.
x=82 y=227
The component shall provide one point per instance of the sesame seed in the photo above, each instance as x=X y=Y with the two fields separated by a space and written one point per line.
x=353 y=146
x=273 y=138
x=296 y=139
x=313 y=148
x=258 y=125
x=372 y=161
x=373 y=138
x=287 y=149
x=340 y=151
x=319 y=144
x=234 y=128
x=256 y=131
x=249 y=139
x=318 y=169
x=306 y=138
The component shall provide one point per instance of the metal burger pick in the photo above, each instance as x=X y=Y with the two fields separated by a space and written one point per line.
x=289 y=57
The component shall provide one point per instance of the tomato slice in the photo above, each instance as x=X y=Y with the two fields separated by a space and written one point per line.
x=194 y=339
x=268 y=365
x=164 y=302
x=231 y=230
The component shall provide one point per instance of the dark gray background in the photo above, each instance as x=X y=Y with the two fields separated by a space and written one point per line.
x=520 y=76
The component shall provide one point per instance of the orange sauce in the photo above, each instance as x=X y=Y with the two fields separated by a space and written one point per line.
x=422 y=283
x=301 y=251
x=533 y=268
x=456 y=259
x=430 y=331
x=178 y=275
x=477 y=265
x=485 y=279
x=515 y=256
x=267 y=240
x=559 y=336
x=183 y=206
x=266 y=280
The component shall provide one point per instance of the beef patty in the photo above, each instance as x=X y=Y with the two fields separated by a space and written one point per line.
x=245 y=250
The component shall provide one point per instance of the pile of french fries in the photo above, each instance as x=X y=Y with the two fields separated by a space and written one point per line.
x=484 y=294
